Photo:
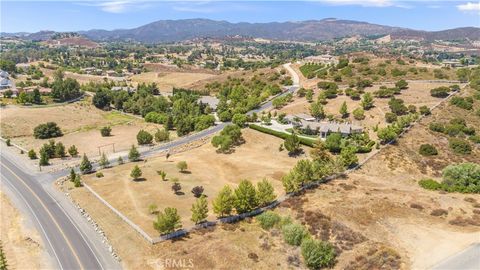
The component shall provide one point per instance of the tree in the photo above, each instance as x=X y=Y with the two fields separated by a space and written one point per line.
x=85 y=165
x=136 y=173
x=47 y=130
x=317 y=254
x=133 y=154
x=245 y=197
x=167 y=221
x=397 y=106
x=120 y=160
x=182 y=166
x=143 y=137
x=162 y=174
x=240 y=119
x=224 y=202
x=104 y=163
x=334 y=142
x=309 y=95
x=463 y=177
x=319 y=151
x=162 y=135
x=101 y=99
x=292 y=144
x=367 y=101
x=105 y=131
x=358 y=114
x=32 y=154
x=200 y=210
x=197 y=191
x=348 y=156
x=265 y=193
x=344 y=109
x=60 y=150
x=317 y=111
x=387 y=134
x=424 y=110
x=176 y=187
x=78 y=181
x=72 y=151
x=72 y=175
x=231 y=135
x=36 y=97
x=44 y=158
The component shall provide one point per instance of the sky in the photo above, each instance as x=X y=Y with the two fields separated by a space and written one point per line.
x=33 y=16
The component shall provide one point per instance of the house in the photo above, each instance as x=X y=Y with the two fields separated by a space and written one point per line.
x=321 y=59
x=299 y=117
x=212 y=102
x=452 y=63
x=306 y=122
x=5 y=83
x=3 y=74
x=123 y=88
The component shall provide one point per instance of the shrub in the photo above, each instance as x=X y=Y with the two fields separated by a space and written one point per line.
x=182 y=166
x=464 y=177
x=440 y=92
x=358 y=114
x=99 y=175
x=459 y=146
x=318 y=254
x=390 y=117
x=439 y=212
x=294 y=234
x=304 y=141
x=437 y=127
x=197 y=191
x=8 y=142
x=464 y=103
x=429 y=184
x=46 y=131
x=428 y=150
x=143 y=137
x=105 y=131
x=162 y=135
x=32 y=154
x=268 y=219
x=424 y=110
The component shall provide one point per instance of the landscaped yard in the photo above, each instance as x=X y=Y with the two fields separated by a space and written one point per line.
x=256 y=159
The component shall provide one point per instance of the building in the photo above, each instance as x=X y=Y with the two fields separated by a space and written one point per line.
x=305 y=122
x=321 y=59
x=212 y=102
x=3 y=74
x=5 y=83
x=452 y=63
x=123 y=88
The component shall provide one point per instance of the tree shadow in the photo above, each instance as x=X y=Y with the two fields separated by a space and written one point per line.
x=179 y=193
x=141 y=179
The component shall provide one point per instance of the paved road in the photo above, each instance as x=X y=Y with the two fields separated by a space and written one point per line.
x=465 y=260
x=69 y=239
x=69 y=246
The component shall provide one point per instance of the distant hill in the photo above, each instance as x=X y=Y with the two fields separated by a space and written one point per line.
x=312 y=30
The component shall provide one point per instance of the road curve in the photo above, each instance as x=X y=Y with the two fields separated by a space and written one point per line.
x=64 y=241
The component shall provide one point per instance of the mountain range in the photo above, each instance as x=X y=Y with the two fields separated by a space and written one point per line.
x=311 y=30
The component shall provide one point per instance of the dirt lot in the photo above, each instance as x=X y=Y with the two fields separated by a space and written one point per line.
x=258 y=158
x=23 y=246
x=418 y=94
x=376 y=217
x=167 y=81
x=80 y=122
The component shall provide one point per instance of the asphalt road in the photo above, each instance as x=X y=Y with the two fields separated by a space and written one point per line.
x=468 y=259
x=68 y=238
x=64 y=241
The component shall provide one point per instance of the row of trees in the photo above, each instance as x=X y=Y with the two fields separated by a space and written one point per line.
x=245 y=198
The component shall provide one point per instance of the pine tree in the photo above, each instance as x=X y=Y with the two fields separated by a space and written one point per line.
x=367 y=101
x=344 y=109
x=265 y=192
x=72 y=175
x=136 y=172
x=292 y=144
x=223 y=203
x=43 y=158
x=200 y=210
x=85 y=165
x=245 y=197
x=104 y=163
x=3 y=259
x=133 y=154
x=78 y=181
x=167 y=221
x=72 y=151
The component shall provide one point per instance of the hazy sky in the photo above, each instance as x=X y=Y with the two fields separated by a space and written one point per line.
x=32 y=16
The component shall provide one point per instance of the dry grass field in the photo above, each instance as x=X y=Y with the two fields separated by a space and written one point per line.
x=167 y=81
x=258 y=158
x=80 y=123
x=417 y=94
x=377 y=217
x=22 y=245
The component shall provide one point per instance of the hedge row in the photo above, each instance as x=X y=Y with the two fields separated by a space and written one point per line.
x=279 y=134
